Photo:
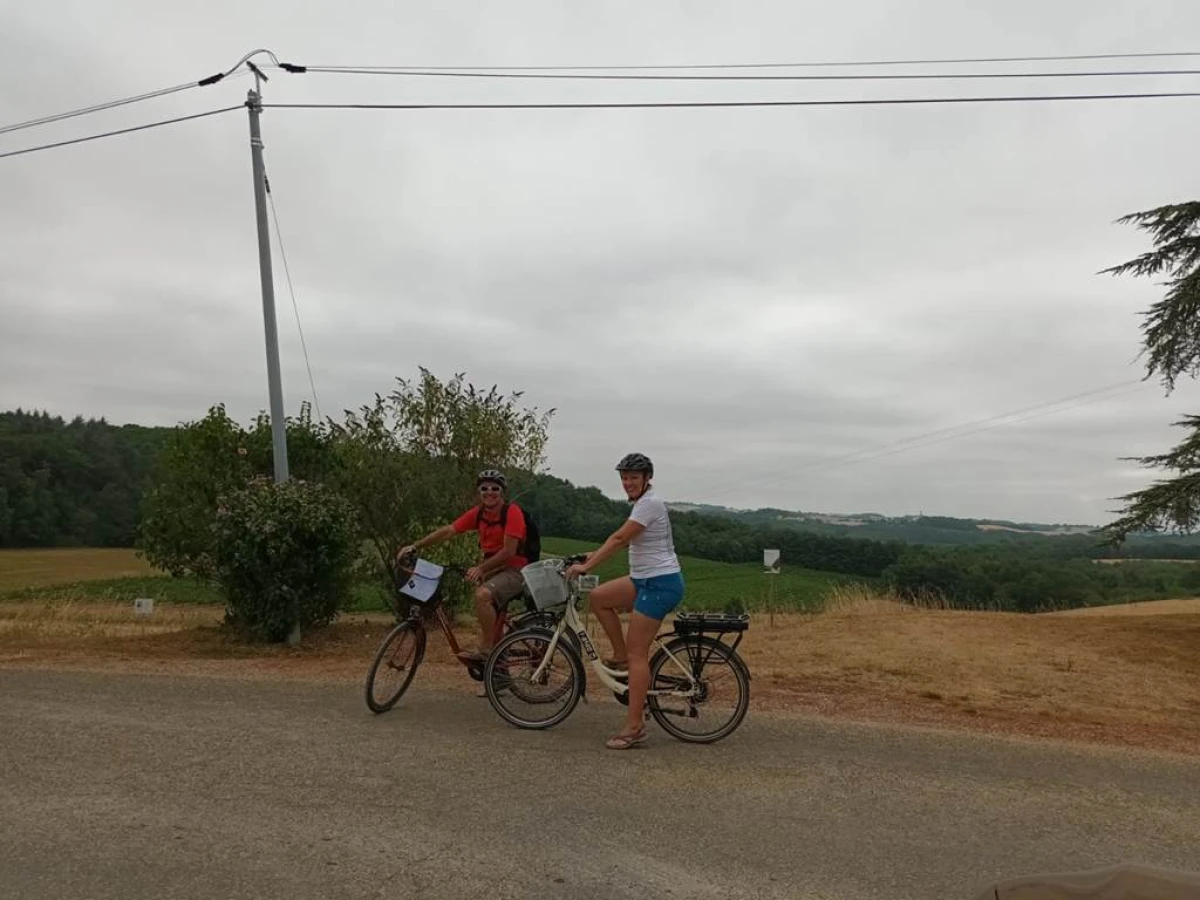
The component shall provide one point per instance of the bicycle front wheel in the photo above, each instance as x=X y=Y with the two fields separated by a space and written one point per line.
x=712 y=703
x=395 y=664
x=524 y=691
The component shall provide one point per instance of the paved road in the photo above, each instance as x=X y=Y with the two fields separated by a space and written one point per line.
x=143 y=787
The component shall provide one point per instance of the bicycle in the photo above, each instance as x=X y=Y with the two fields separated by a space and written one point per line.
x=692 y=638
x=421 y=590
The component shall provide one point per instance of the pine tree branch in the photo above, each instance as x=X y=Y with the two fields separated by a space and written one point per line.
x=1171 y=327
x=1169 y=505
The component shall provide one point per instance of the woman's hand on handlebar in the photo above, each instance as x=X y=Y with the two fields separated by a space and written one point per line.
x=575 y=565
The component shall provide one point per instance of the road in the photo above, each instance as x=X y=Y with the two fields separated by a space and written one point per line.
x=122 y=786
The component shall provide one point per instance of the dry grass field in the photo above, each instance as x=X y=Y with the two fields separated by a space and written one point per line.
x=36 y=568
x=1127 y=674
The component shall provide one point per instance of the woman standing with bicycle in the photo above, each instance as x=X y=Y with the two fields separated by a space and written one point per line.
x=653 y=588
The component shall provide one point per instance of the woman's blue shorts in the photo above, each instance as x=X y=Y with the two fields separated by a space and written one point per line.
x=657 y=596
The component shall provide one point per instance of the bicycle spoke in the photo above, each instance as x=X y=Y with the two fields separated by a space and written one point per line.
x=714 y=685
x=530 y=686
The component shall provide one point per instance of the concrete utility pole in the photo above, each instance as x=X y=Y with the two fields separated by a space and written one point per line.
x=270 y=329
x=274 y=382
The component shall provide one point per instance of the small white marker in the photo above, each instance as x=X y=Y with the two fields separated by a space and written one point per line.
x=143 y=607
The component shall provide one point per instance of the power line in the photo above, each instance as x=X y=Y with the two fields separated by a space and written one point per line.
x=106 y=134
x=710 y=104
x=235 y=70
x=100 y=107
x=890 y=76
x=796 y=65
x=295 y=307
x=974 y=431
x=940 y=435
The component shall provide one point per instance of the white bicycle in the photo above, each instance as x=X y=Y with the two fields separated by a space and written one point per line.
x=541 y=668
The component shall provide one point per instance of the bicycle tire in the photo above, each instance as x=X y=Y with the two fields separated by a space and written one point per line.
x=713 y=648
x=396 y=634
x=577 y=679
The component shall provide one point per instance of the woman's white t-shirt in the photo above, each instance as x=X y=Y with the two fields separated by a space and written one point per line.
x=652 y=552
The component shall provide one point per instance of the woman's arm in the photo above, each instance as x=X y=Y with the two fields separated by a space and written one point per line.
x=616 y=542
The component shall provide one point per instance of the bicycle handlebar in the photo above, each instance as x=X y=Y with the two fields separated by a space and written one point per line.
x=408 y=562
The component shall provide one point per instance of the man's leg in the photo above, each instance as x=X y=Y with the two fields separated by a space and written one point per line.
x=492 y=596
x=485 y=612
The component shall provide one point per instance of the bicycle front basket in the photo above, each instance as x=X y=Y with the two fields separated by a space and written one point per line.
x=422 y=585
x=546 y=584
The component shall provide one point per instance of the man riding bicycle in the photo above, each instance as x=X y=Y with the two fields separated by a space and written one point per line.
x=502 y=534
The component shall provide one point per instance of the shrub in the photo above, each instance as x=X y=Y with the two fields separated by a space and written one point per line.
x=284 y=554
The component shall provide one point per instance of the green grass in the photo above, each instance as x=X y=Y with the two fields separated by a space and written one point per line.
x=716 y=585
x=121 y=590
x=183 y=591
x=710 y=585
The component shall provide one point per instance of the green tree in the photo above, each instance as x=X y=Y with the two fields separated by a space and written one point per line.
x=204 y=460
x=407 y=462
x=1171 y=342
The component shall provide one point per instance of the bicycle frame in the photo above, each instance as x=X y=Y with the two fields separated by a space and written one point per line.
x=608 y=677
x=421 y=611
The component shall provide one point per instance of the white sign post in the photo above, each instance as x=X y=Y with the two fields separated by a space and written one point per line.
x=771 y=561
x=771 y=566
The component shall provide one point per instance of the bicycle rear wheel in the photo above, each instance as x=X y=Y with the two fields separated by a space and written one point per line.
x=395 y=664
x=722 y=689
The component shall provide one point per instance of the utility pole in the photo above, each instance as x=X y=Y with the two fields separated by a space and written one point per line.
x=271 y=331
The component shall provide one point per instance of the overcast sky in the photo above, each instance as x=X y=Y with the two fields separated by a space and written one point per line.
x=751 y=296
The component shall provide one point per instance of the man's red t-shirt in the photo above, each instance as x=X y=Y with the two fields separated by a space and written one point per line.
x=492 y=531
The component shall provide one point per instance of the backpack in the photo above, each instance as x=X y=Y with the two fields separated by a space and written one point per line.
x=531 y=547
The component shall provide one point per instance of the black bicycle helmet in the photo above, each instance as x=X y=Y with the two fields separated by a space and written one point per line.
x=493 y=475
x=636 y=462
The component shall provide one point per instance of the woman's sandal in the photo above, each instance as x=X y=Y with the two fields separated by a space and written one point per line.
x=626 y=741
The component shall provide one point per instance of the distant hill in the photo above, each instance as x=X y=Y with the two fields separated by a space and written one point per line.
x=80 y=483
x=936 y=530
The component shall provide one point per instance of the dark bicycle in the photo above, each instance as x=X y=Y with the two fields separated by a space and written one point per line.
x=419 y=589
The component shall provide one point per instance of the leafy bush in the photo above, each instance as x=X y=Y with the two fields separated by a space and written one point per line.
x=204 y=460
x=283 y=555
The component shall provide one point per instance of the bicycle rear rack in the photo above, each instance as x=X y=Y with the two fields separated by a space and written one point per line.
x=701 y=623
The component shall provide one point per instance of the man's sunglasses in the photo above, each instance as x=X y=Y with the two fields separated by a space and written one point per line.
x=489 y=489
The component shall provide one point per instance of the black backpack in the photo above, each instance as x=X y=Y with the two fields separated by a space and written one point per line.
x=531 y=547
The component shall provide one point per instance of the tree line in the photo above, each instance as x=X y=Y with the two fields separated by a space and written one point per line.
x=76 y=483
x=405 y=464
x=90 y=483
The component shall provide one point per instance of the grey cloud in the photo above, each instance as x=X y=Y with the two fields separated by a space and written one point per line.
x=743 y=294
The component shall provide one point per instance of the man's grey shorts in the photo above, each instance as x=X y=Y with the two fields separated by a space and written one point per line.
x=506 y=585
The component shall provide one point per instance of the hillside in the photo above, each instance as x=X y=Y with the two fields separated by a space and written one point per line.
x=950 y=531
x=72 y=483
x=716 y=585
x=115 y=575
x=82 y=483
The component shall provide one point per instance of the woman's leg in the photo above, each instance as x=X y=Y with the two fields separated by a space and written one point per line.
x=642 y=629
x=605 y=601
x=655 y=600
